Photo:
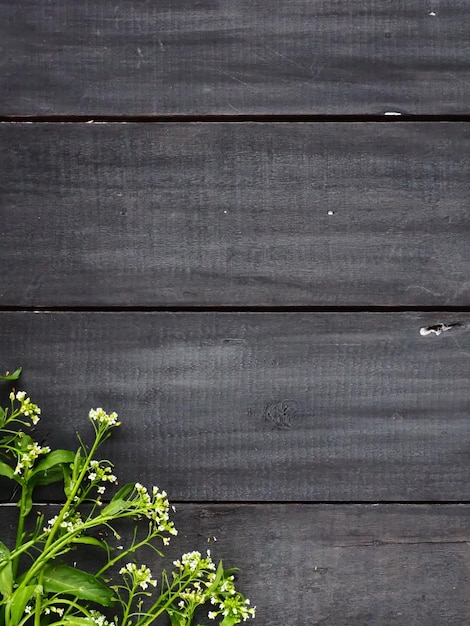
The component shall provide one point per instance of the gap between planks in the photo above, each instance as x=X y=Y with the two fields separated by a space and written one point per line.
x=232 y=309
x=388 y=117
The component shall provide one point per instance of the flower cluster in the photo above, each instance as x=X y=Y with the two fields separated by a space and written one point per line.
x=47 y=610
x=196 y=582
x=231 y=603
x=140 y=576
x=224 y=596
x=101 y=418
x=71 y=522
x=27 y=408
x=154 y=507
x=54 y=609
x=101 y=473
x=192 y=562
x=99 y=619
x=27 y=459
x=199 y=574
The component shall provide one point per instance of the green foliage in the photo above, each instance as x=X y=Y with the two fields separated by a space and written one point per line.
x=66 y=580
x=39 y=586
x=16 y=374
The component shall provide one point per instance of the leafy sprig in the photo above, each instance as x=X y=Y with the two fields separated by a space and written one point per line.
x=39 y=586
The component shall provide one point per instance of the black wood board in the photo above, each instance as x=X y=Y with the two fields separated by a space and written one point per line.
x=332 y=565
x=252 y=214
x=142 y=57
x=259 y=406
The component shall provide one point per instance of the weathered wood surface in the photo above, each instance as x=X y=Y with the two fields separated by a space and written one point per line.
x=234 y=214
x=330 y=565
x=251 y=407
x=233 y=56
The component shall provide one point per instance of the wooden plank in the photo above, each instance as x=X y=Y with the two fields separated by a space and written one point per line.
x=260 y=406
x=233 y=57
x=346 y=214
x=336 y=565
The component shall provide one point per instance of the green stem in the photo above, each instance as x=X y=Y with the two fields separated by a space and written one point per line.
x=20 y=530
x=123 y=554
x=37 y=610
x=125 y=617
x=66 y=540
x=74 y=491
x=172 y=597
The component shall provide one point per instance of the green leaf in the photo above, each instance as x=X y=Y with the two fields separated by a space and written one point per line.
x=19 y=600
x=176 y=617
x=229 y=621
x=22 y=443
x=218 y=578
x=16 y=374
x=3 y=415
x=68 y=482
x=78 y=621
x=63 y=579
x=49 y=470
x=118 y=503
x=114 y=507
x=6 y=571
x=123 y=492
x=52 y=475
x=5 y=470
x=57 y=457
x=27 y=500
x=92 y=541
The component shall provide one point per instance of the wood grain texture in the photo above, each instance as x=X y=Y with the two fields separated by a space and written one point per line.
x=233 y=56
x=249 y=407
x=347 y=565
x=234 y=214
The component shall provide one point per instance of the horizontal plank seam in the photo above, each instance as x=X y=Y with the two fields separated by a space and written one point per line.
x=234 y=309
x=376 y=543
x=386 y=118
x=263 y=503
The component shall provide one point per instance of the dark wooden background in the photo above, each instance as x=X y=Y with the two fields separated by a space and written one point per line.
x=230 y=221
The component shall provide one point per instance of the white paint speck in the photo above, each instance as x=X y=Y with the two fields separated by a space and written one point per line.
x=432 y=14
x=434 y=330
x=225 y=211
x=331 y=212
x=392 y=113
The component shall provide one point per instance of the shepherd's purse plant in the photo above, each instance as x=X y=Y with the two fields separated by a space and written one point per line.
x=39 y=584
